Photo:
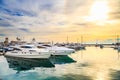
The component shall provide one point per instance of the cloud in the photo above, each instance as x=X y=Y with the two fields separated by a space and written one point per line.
x=115 y=9
x=51 y=18
x=24 y=29
x=24 y=13
x=115 y=15
x=72 y=6
x=17 y=9
x=81 y=24
x=0 y=18
x=2 y=34
x=4 y=23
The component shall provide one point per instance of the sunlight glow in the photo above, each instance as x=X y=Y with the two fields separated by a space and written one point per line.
x=99 y=11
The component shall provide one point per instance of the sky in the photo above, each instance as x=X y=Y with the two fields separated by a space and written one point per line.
x=55 y=20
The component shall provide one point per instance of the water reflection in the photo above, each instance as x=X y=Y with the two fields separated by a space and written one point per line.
x=118 y=51
x=20 y=64
x=90 y=64
x=82 y=63
x=115 y=74
x=70 y=77
x=61 y=59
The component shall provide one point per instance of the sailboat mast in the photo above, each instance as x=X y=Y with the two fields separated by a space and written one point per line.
x=117 y=39
x=81 y=40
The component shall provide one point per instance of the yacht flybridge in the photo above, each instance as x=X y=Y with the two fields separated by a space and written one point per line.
x=28 y=51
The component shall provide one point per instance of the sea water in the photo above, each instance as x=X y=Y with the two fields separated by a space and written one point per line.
x=90 y=64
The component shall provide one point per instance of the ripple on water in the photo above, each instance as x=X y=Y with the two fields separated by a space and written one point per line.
x=115 y=74
x=69 y=77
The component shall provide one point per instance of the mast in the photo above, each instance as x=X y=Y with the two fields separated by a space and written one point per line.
x=77 y=40
x=67 y=40
x=81 y=40
x=117 y=40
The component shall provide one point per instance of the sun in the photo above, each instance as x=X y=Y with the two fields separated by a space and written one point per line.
x=99 y=11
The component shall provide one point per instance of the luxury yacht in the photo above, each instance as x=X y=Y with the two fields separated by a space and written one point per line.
x=55 y=50
x=28 y=51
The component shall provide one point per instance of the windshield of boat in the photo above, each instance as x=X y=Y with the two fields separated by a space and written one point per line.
x=47 y=45
x=27 y=46
x=42 y=47
x=15 y=49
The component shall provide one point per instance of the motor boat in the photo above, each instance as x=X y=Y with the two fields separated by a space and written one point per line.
x=28 y=51
x=55 y=50
x=117 y=47
x=101 y=46
x=76 y=47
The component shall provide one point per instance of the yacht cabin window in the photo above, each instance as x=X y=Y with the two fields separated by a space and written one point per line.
x=26 y=47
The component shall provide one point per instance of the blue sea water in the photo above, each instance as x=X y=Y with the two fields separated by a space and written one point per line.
x=90 y=64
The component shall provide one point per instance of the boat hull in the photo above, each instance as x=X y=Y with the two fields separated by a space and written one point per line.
x=62 y=53
x=42 y=56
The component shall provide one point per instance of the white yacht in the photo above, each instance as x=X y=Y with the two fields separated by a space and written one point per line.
x=28 y=51
x=55 y=50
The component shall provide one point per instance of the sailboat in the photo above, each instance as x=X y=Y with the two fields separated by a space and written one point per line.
x=117 y=44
